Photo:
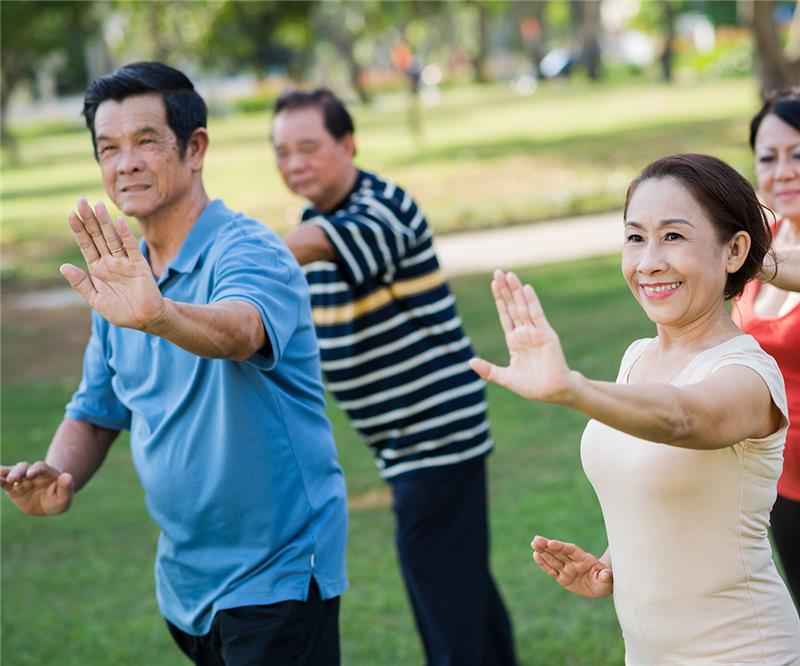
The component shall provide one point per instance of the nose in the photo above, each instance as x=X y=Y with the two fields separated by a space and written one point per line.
x=129 y=161
x=651 y=259
x=784 y=168
x=296 y=162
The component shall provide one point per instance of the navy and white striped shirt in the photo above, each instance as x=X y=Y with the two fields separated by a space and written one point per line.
x=392 y=348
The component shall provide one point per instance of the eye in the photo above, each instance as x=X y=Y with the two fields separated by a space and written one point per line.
x=672 y=236
x=634 y=238
x=766 y=159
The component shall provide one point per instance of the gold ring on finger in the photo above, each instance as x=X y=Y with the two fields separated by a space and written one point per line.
x=119 y=249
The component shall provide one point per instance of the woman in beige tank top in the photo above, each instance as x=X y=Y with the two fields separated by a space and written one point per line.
x=685 y=449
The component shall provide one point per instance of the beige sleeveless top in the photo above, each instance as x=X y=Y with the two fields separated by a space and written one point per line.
x=694 y=580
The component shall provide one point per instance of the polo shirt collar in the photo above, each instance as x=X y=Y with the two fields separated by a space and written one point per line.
x=200 y=235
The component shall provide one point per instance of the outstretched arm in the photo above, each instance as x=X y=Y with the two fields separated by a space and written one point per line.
x=573 y=568
x=47 y=487
x=121 y=287
x=704 y=415
x=784 y=271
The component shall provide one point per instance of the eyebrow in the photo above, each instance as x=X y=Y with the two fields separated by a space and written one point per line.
x=143 y=130
x=791 y=146
x=662 y=223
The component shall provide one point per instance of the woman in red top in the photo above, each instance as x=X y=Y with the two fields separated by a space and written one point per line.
x=770 y=312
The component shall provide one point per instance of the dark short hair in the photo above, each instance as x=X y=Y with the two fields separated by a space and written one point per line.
x=186 y=110
x=728 y=200
x=336 y=117
x=785 y=104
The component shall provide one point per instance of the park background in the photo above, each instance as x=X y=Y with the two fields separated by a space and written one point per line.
x=491 y=113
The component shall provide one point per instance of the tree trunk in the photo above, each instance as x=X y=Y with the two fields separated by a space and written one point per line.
x=479 y=59
x=774 y=69
x=668 y=52
x=590 y=38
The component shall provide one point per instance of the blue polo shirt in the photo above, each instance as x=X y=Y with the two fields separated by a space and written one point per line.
x=237 y=458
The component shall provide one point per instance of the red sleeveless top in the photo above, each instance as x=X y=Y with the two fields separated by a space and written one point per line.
x=780 y=338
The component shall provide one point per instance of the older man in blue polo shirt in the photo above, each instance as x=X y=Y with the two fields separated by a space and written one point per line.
x=203 y=346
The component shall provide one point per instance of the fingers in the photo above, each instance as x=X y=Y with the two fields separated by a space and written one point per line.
x=129 y=240
x=92 y=227
x=23 y=476
x=544 y=566
x=112 y=239
x=80 y=282
x=501 y=294
x=517 y=304
x=96 y=234
x=83 y=239
x=534 y=307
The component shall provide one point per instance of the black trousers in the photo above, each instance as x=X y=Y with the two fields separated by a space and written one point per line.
x=443 y=546
x=785 y=520
x=288 y=633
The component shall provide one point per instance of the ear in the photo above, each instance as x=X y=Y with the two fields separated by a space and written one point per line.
x=738 y=248
x=196 y=148
x=348 y=142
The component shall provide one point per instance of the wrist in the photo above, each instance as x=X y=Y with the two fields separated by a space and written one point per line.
x=161 y=322
x=568 y=396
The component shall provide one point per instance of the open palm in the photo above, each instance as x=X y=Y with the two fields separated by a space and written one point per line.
x=536 y=369
x=120 y=284
x=573 y=568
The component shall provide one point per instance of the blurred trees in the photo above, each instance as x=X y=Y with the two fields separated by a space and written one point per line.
x=363 y=41
x=778 y=67
x=33 y=33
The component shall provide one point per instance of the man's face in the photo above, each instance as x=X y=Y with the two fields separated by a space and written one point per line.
x=143 y=172
x=312 y=162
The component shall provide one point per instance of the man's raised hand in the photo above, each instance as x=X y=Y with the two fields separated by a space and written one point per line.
x=119 y=284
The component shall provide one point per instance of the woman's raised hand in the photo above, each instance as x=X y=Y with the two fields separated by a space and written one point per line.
x=536 y=368
x=574 y=569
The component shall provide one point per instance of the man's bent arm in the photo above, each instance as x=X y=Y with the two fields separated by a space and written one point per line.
x=310 y=243
x=47 y=487
x=79 y=447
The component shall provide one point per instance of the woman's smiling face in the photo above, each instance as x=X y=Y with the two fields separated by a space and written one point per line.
x=673 y=260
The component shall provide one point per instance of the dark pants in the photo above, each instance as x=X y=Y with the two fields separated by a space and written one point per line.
x=289 y=632
x=785 y=519
x=443 y=546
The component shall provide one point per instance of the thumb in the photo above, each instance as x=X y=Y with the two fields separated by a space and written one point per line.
x=79 y=281
x=63 y=490
x=482 y=368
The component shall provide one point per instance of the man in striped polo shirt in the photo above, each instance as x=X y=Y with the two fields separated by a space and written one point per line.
x=395 y=357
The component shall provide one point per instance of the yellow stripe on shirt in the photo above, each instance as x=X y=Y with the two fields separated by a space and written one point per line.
x=339 y=314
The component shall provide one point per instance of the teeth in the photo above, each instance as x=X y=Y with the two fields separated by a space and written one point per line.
x=665 y=287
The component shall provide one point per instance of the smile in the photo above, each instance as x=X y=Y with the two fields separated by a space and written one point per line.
x=662 y=290
x=135 y=188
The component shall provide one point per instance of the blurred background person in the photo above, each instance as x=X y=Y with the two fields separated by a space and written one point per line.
x=770 y=312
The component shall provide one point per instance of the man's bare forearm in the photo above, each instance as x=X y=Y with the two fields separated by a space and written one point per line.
x=230 y=329
x=79 y=447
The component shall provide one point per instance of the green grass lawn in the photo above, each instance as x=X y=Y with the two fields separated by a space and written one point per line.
x=487 y=157
x=78 y=588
